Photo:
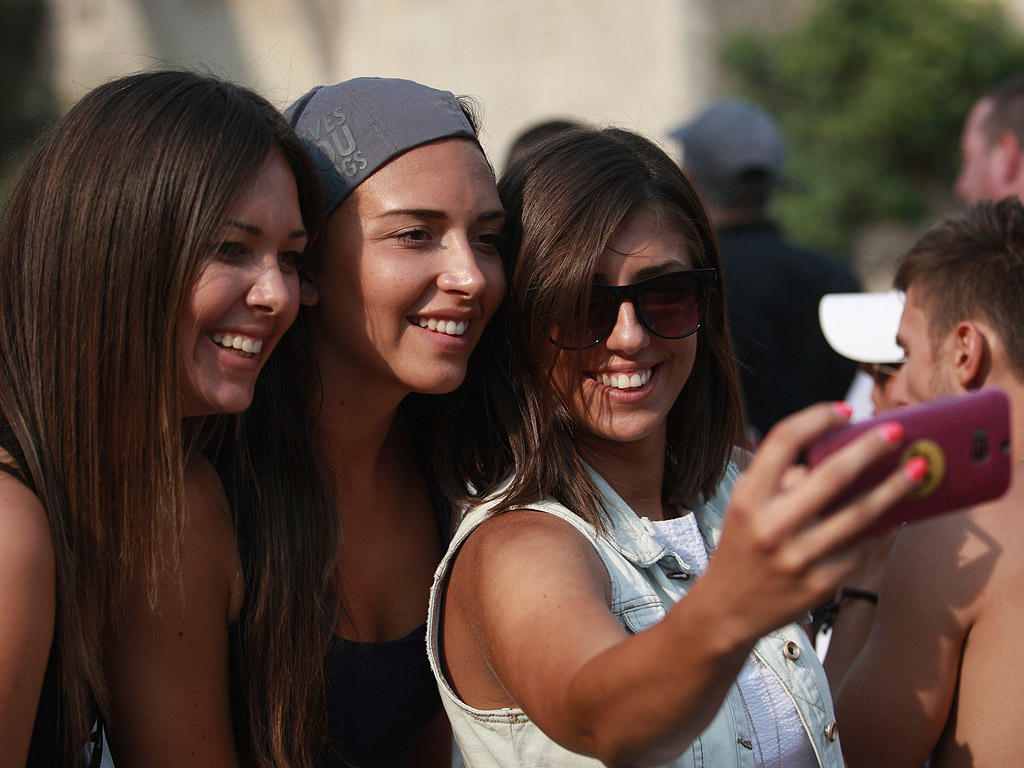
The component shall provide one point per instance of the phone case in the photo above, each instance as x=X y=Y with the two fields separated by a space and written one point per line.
x=966 y=440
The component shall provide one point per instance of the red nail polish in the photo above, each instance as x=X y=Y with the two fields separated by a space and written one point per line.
x=892 y=431
x=916 y=468
x=843 y=409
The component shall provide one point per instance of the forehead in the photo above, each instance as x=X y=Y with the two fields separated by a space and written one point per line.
x=914 y=321
x=642 y=240
x=448 y=166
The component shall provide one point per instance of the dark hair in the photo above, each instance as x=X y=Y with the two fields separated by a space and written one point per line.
x=289 y=522
x=565 y=198
x=1007 y=110
x=972 y=268
x=536 y=133
x=102 y=239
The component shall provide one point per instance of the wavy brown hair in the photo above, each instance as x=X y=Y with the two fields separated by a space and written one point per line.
x=565 y=198
x=101 y=241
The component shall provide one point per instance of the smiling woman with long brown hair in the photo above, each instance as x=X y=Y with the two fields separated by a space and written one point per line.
x=576 y=619
x=150 y=256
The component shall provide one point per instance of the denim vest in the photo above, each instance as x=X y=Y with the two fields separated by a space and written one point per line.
x=646 y=579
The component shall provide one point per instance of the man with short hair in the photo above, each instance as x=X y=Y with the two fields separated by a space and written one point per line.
x=942 y=672
x=992 y=145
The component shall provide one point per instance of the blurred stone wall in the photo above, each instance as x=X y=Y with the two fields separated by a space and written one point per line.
x=645 y=64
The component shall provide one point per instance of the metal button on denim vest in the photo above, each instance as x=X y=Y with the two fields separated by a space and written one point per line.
x=646 y=579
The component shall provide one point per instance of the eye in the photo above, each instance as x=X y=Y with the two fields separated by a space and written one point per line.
x=413 y=236
x=230 y=251
x=294 y=260
x=488 y=242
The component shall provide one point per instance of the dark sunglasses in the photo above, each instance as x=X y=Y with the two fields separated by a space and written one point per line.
x=671 y=306
x=881 y=372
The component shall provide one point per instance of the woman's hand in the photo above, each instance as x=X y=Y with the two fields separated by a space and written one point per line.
x=779 y=555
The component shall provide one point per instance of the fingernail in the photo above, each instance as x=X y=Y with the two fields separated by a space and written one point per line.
x=916 y=468
x=843 y=409
x=892 y=431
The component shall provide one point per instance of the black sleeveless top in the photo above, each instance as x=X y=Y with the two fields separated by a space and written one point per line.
x=379 y=695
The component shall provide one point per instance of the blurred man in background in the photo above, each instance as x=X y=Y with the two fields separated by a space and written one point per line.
x=735 y=153
x=992 y=145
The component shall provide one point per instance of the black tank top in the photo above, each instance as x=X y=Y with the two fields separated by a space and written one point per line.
x=379 y=695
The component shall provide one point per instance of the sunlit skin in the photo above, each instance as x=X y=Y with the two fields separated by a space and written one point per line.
x=247 y=289
x=414 y=242
x=631 y=419
x=925 y=375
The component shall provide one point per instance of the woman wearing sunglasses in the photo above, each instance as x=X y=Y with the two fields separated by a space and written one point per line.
x=576 y=618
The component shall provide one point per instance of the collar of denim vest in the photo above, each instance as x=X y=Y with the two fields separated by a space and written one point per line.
x=634 y=537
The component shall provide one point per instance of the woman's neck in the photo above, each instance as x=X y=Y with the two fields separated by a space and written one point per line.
x=357 y=426
x=635 y=470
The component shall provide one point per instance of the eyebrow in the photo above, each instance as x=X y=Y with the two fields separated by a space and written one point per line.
x=651 y=270
x=252 y=229
x=427 y=213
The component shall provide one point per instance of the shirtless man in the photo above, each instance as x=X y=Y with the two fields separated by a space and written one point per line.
x=942 y=672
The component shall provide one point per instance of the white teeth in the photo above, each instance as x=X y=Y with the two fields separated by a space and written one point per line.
x=242 y=344
x=626 y=381
x=448 y=327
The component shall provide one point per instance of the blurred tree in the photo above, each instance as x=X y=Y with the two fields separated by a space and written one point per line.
x=26 y=102
x=871 y=96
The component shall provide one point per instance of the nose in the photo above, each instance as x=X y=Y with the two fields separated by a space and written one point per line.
x=270 y=292
x=461 y=272
x=628 y=335
x=897 y=392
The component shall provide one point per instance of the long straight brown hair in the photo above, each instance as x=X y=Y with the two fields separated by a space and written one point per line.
x=565 y=198
x=101 y=241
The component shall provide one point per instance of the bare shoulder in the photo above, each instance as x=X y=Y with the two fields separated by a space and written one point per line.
x=529 y=544
x=520 y=576
x=28 y=596
x=955 y=560
x=26 y=543
x=209 y=544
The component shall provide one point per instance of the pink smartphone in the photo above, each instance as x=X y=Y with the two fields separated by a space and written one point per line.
x=966 y=440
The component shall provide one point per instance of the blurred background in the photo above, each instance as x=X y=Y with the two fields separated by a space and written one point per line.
x=870 y=94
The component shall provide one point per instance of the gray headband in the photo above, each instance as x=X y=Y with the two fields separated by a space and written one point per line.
x=353 y=128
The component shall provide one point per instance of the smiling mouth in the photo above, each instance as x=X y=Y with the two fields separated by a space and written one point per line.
x=447 y=327
x=624 y=380
x=243 y=346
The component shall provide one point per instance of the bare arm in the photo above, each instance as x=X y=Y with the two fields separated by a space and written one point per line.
x=28 y=599
x=893 y=704
x=852 y=624
x=169 y=667
x=534 y=595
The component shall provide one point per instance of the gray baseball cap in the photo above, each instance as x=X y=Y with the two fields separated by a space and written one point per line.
x=353 y=128
x=736 y=152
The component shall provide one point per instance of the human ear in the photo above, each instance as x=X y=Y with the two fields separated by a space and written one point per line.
x=1009 y=161
x=308 y=294
x=970 y=355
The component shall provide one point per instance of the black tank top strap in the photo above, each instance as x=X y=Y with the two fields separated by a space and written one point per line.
x=10 y=444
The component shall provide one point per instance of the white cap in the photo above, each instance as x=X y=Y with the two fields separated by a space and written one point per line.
x=862 y=326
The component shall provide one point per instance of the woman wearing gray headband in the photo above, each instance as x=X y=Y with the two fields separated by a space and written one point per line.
x=339 y=440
